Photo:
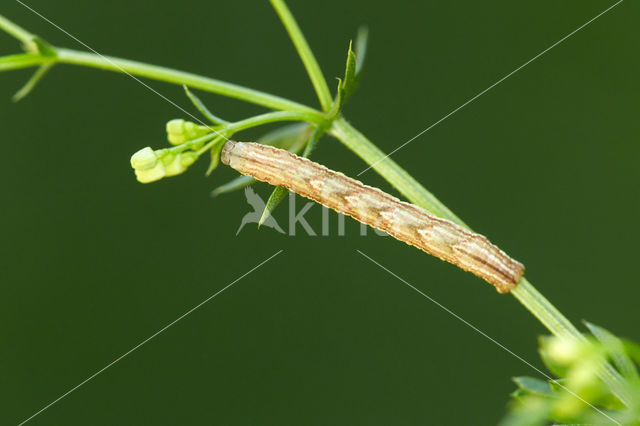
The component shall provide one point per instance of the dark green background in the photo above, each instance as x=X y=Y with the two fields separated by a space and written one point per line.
x=546 y=164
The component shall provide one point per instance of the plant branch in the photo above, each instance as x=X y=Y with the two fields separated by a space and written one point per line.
x=191 y=80
x=524 y=292
x=15 y=30
x=22 y=60
x=34 y=57
x=390 y=170
x=272 y=117
x=537 y=304
x=308 y=59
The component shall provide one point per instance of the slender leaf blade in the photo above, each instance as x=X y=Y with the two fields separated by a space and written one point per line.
x=21 y=60
x=534 y=386
x=200 y=106
x=291 y=137
x=615 y=349
x=313 y=140
x=233 y=185
x=279 y=193
x=32 y=82
x=215 y=157
x=362 y=41
x=346 y=86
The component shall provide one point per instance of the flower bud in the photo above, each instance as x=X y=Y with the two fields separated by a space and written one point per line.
x=144 y=159
x=180 y=131
x=565 y=351
x=177 y=164
x=151 y=175
x=188 y=158
x=148 y=165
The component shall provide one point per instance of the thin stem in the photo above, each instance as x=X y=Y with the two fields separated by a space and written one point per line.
x=140 y=69
x=194 y=142
x=390 y=170
x=272 y=117
x=169 y=75
x=22 y=60
x=308 y=59
x=208 y=146
x=525 y=292
x=548 y=315
x=542 y=309
x=15 y=30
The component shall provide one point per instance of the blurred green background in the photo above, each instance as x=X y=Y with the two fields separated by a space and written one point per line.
x=92 y=263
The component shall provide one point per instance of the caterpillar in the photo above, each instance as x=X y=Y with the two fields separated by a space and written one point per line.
x=404 y=221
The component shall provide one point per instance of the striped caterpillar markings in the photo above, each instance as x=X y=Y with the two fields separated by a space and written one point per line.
x=404 y=221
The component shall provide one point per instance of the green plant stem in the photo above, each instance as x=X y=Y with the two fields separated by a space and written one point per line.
x=390 y=170
x=139 y=69
x=22 y=60
x=258 y=120
x=180 y=77
x=308 y=59
x=525 y=292
x=272 y=117
x=546 y=313
x=15 y=30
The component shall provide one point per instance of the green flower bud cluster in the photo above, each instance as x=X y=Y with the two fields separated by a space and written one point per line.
x=582 y=361
x=180 y=131
x=150 y=165
x=580 y=395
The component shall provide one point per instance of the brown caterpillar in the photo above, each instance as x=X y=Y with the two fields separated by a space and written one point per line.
x=404 y=221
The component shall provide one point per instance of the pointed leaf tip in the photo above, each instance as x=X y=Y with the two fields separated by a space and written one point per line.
x=200 y=106
x=32 y=82
x=278 y=194
x=616 y=350
x=215 y=156
x=348 y=84
x=362 y=40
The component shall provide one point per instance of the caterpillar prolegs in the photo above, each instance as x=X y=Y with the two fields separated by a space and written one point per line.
x=404 y=221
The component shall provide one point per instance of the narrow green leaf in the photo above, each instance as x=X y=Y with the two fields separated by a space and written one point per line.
x=615 y=349
x=215 y=156
x=291 y=137
x=346 y=86
x=534 y=386
x=233 y=185
x=313 y=140
x=33 y=81
x=362 y=41
x=200 y=106
x=557 y=385
x=21 y=60
x=278 y=194
x=350 y=70
x=338 y=102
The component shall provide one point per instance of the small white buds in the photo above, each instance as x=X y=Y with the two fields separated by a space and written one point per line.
x=150 y=165
x=180 y=131
x=147 y=166
x=144 y=159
